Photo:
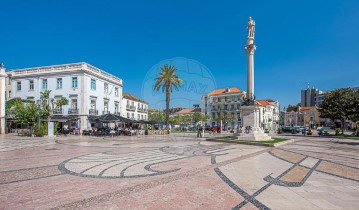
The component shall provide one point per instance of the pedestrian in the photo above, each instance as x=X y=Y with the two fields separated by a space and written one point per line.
x=304 y=131
x=199 y=132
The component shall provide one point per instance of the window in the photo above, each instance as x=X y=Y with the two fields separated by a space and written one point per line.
x=93 y=84
x=116 y=107
x=59 y=83
x=138 y=116
x=128 y=115
x=44 y=84
x=74 y=82
x=93 y=104
x=9 y=93
x=133 y=116
x=31 y=85
x=74 y=103
x=18 y=86
x=106 y=88
x=116 y=91
x=105 y=106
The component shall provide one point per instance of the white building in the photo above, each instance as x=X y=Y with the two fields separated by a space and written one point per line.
x=90 y=90
x=2 y=99
x=134 y=108
x=269 y=114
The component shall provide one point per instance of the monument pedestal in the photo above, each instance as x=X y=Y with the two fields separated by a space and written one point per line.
x=251 y=129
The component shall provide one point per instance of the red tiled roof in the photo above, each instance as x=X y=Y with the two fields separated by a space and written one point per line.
x=267 y=102
x=224 y=90
x=187 y=111
x=305 y=108
x=132 y=97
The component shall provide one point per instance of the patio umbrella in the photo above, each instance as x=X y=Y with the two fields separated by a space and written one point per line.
x=112 y=118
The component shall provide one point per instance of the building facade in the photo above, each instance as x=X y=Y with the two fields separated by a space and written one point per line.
x=134 y=108
x=90 y=90
x=293 y=118
x=310 y=116
x=309 y=97
x=223 y=104
x=269 y=114
x=2 y=98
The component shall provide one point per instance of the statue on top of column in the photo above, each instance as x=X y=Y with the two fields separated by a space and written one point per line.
x=251 y=27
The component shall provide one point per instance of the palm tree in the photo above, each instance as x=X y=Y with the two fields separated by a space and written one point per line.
x=166 y=80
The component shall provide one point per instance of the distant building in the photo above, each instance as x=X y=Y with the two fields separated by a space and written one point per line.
x=223 y=104
x=310 y=116
x=293 y=118
x=186 y=112
x=134 y=108
x=269 y=114
x=309 y=97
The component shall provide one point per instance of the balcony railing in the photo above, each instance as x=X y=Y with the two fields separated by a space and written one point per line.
x=105 y=112
x=93 y=112
x=141 y=109
x=117 y=113
x=131 y=108
x=73 y=111
x=57 y=111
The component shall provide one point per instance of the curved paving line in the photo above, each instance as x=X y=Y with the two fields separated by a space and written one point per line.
x=103 y=171
x=317 y=170
x=122 y=174
x=318 y=158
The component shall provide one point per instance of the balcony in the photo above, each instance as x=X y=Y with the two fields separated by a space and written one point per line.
x=130 y=108
x=141 y=110
x=105 y=112
x=73 y=111
x=117 y=113
x=93 y=112
x=57 y=111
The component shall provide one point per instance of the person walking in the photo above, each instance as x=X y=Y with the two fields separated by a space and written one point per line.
x=199 y=131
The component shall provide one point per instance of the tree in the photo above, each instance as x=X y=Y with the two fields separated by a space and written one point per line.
x=167 y=80
x=157 y=117
x=340 y=104
x=293 y=107
x=199 y=117
x=25 y=112
x=49 y=104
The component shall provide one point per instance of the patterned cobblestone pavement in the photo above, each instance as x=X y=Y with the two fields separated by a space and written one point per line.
x=176 y=172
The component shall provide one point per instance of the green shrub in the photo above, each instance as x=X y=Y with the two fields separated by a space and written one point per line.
x=337 y=131
x=41 y=130
x=56 y=128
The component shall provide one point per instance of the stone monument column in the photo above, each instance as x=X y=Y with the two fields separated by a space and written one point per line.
x=250 y=111
x=250 y=49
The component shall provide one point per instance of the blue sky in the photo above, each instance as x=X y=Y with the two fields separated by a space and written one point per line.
x=297 y=41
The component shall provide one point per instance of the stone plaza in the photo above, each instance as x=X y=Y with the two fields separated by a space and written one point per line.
x=177 y=171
